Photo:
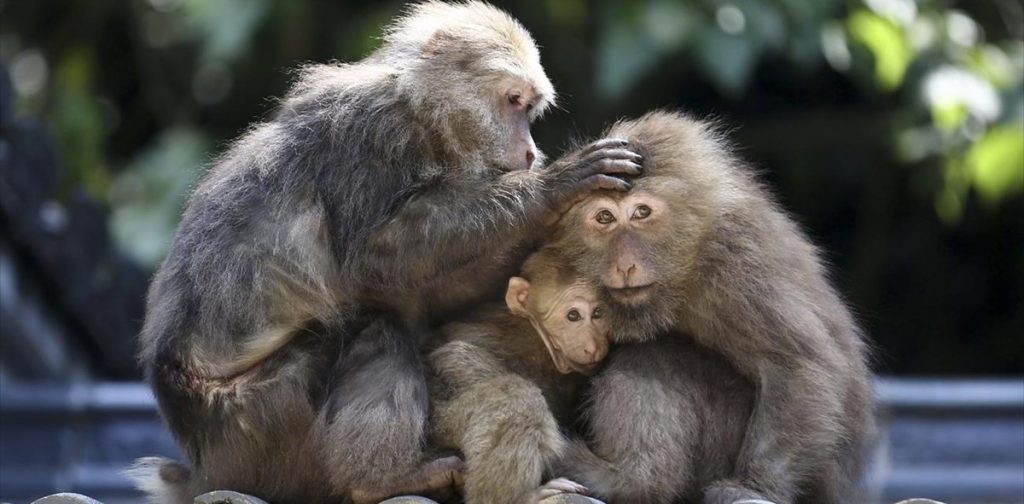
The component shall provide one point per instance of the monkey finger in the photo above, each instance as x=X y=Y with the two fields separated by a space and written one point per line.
x=617 y=167
x=616 y=153
x=607 y=182
x=604 y=143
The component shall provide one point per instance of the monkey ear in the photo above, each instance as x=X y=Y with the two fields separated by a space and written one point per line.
x=516 y=296
x=435 y=44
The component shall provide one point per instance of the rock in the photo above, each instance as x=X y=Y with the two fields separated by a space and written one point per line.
x=408 y=499
x=227 y=497
x=66 y=498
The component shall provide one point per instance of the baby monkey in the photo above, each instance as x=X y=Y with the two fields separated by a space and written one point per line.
x=503 y=380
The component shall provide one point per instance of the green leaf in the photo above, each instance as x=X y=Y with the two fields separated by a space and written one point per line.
x=949 y=116
x=887 y=44
x=225 y=27
x=147 y=197
x=728 y=59
x=995 y=163
x=77 y=121
x=625 y=52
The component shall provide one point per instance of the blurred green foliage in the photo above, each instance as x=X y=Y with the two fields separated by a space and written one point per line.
x=848 y=103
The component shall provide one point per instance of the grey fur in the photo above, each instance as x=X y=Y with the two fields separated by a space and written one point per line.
x=282 y=330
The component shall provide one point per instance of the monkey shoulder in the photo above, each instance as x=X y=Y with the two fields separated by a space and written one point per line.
x=509 y=339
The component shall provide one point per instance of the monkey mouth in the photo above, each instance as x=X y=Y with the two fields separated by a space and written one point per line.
x=585 y=369
x=631 y=295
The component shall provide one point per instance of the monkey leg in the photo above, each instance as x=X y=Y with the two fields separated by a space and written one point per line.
x=373 y=425
x=250 y=433
x=508 y=436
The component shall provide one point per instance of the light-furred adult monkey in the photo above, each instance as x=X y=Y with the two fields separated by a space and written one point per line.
x=394 y=189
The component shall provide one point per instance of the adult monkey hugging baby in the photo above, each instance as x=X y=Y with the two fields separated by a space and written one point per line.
x=697 y=257
x=394 y=191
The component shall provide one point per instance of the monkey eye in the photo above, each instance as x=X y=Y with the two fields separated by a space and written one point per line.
x=642 y=212
x=598 y=313
x=605 y=217
x=574 y=315
x=515 y=99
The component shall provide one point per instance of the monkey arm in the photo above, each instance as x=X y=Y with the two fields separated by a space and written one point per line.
x=795 y=426
x=460 y=365
x=458 y=218
x=449 y=224
x=507 y=435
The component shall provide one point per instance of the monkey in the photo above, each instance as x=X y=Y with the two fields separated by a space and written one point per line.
x=683 y=425
x=698 y=250
x=504 y=380
x=282 y=331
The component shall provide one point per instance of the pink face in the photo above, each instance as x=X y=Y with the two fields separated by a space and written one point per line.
x=622 y=227
x=518 y=106
x=577 y=336
x=570 y=320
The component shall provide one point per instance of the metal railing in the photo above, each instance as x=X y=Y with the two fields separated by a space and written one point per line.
x=959 y=441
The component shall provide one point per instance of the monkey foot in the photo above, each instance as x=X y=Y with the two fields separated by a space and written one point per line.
x=437 y=479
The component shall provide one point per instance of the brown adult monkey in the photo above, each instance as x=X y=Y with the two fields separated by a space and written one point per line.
x=393 y=188
x=501 y=382
x=699 y=248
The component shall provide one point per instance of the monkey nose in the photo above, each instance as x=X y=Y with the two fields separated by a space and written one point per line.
x=626 y=272
x=530 y=158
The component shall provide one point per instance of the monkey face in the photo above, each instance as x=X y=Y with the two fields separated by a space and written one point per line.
x=516 y=100
x=486 y=74
x=569 y=319
x=624 y=228
x=634 y=247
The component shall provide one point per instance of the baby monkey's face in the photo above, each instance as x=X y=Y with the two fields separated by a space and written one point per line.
x=569 y=318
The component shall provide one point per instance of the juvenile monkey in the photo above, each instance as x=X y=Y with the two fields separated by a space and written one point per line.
x=375 y=186
x=503 y=381
x=699 y=252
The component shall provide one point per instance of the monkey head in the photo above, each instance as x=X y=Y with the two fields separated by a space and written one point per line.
x=644 y=247
x=567 y=315
x=472 y=75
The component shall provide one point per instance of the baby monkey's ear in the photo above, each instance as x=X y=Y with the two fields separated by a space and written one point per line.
x=517 y=295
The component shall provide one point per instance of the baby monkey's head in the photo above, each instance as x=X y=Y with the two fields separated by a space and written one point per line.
x=564 y=309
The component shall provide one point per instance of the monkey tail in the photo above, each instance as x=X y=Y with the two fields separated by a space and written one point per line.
x=163 y=480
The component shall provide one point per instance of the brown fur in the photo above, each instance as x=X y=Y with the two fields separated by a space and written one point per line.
x=728 y=268
x=497 y=397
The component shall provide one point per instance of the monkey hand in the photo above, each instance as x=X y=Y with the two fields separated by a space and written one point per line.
x=600 y=165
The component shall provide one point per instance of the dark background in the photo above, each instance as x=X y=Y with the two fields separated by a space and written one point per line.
x=892 y=130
